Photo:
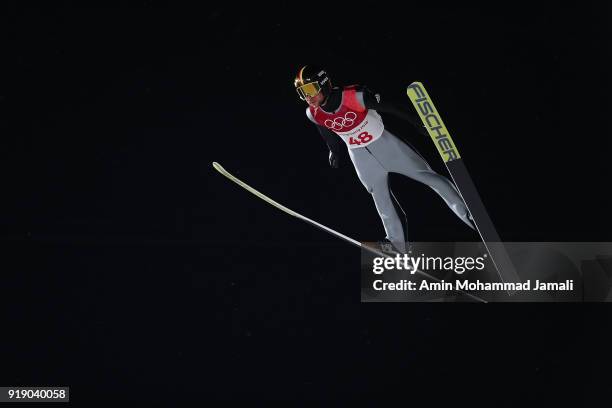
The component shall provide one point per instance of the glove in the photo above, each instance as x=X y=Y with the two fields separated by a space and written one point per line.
x=334 y=160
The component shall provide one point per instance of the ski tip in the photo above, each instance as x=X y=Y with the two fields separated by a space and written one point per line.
x=415 y=83
x=217 y=166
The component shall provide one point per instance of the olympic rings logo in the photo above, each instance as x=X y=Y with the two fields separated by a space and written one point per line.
x=338 y=123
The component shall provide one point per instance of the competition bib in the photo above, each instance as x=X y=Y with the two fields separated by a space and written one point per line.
x=353 y=122
x=368 y=130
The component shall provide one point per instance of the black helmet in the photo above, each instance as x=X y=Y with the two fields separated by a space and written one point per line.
x=311 y=80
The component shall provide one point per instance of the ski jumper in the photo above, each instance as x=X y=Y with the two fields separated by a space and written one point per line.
x=375 y=152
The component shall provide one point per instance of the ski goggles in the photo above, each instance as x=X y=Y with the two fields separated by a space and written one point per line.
x=308 y=90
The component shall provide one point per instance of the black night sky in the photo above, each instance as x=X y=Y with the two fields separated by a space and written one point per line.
x=132 y=271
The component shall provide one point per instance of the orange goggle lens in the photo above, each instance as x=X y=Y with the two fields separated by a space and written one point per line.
x=311 y=89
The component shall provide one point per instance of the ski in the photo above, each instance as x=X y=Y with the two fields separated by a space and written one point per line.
x=337 y=234
x=289 y=211
x=456 y=167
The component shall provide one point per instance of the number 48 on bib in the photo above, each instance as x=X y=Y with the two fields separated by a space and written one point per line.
x=364 y=137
